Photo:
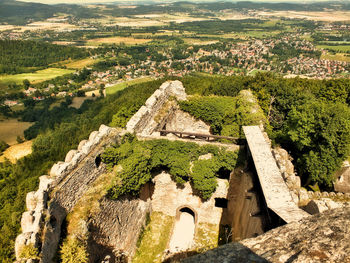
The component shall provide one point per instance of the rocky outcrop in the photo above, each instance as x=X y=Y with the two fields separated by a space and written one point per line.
x=320 y=205
x=143 y=122
x=319 y=238
x=342 y=183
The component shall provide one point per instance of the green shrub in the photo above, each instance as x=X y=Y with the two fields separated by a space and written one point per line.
x=225 y=115
x=141 y=159
x=29 y=252
x=3 y=146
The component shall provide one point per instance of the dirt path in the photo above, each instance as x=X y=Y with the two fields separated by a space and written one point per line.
x=182 y=238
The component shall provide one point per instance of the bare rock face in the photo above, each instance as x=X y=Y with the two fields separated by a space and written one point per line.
x=320 y=205
x=31 y=201
x=342 y=184
x=207 y=156
x=319 y=238
x=183 y=121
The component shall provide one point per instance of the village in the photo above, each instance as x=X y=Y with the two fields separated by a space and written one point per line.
x=289 y=56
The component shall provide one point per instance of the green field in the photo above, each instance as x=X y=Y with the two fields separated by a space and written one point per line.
x=341 y=48
x=40 y=75
x=123 y=85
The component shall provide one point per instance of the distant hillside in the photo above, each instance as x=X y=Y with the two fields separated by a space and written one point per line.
x=21 y=13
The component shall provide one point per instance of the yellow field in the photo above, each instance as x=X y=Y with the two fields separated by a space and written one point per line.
x=36 y=77
x=79 y=64
x=117 y=40
x=10 y=129
x=17 y=151
x=196 y=41
x=329 y=16
x=337 y=57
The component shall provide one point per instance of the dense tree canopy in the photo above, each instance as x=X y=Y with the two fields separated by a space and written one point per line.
x=17 y=56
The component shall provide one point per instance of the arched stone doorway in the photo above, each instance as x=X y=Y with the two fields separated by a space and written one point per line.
x=184 y=230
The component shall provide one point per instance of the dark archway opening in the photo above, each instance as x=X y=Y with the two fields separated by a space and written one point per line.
x=187 y=210
x=221 y=202
x=98 y=161
x=224 y=173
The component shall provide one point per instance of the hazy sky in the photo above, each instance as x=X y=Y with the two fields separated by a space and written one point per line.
x=133 y=1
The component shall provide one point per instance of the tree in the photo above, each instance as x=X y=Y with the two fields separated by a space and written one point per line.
x=26 y=84
x=320 y=132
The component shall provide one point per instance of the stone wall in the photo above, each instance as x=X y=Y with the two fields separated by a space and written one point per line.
x=184 y=122
x=300 y=195
x=58 y=193
x=168 y=197
x=115 y=229
x=143 y=122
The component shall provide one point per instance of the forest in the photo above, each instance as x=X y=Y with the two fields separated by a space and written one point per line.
x=19 y=56
x=309 y=118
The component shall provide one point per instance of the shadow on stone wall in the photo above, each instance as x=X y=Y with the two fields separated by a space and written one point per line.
x=246 y=214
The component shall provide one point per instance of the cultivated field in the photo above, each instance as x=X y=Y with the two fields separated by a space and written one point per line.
x=340 y=48
x=337 y=57
x=10 y=129
x=330 y=16
x=36 y=77
x=17 y=151
x=198 y=41
x=117 y=40
x=79 y=64
x=123 y=85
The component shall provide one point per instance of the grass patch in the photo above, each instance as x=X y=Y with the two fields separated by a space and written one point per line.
x=78 y=101
x=123 y=85
x=38 y=76
x=154 y=239
x=206 y=237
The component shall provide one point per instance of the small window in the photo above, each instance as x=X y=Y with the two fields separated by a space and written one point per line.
x=98 y=161
x=221 y=202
